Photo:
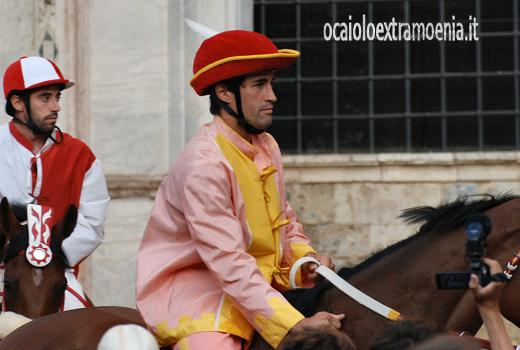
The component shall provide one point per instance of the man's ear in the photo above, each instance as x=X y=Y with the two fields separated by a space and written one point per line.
x=17 y=103
x=224 y=94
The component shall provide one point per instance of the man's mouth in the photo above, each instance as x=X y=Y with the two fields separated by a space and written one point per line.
x=52 y=117
x=268 y=110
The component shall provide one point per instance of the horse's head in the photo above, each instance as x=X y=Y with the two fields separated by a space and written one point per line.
x=34 y=268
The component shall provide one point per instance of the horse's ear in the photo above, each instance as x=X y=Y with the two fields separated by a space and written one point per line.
x=65 y=226
x=9 y=224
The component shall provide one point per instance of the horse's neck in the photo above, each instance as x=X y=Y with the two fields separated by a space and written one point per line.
x=505 y=234
x=405 y=278
x=425 y=255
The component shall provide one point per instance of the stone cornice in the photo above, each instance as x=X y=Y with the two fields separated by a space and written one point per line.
x=133 y=186
x=403 y=167
x=348 y=168
x=444 y=158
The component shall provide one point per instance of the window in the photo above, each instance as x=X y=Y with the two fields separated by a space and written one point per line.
x=373 y=96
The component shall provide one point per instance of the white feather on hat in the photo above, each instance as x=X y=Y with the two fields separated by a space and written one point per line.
x=201 y=29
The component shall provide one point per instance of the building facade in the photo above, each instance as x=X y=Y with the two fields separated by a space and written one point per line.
x=368 y=128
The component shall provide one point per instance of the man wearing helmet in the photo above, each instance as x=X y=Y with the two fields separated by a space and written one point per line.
x=221 y=237
x=41 y=165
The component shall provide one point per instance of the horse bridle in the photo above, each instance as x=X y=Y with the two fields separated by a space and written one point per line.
x=37 y=246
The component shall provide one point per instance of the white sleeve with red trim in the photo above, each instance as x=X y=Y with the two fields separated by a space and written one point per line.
x=93 y=203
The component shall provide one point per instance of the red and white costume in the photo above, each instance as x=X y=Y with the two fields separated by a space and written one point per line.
x=59 y=175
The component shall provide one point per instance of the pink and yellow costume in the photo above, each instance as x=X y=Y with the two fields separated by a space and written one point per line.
x=220 y=241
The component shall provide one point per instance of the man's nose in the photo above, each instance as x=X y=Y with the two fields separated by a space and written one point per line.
x=55 y=105
x=271 y=96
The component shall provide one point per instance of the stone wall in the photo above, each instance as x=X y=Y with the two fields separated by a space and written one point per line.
x=133 y=106
x=348 y=204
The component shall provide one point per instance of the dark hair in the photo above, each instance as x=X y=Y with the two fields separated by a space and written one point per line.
x=231 y=84
x=25 y=96
x=447 y=342
x=317 y=339
x=403 y=335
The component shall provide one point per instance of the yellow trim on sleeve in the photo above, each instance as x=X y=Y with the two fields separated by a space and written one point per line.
x=183 y=344
x=281 y=321
x=280 y=53
x=232 y=321
x=186 y=327
x=299 y=251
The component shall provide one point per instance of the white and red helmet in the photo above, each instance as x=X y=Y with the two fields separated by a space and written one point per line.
x=32 y=72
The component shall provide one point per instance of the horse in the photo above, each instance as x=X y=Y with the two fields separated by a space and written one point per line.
x=401 y=276
x=72 y=329
x=37 y=292
x=31 y=290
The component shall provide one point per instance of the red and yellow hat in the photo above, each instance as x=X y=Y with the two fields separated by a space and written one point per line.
x=234 y=53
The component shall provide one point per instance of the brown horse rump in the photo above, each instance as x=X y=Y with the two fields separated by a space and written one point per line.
x=79 y=329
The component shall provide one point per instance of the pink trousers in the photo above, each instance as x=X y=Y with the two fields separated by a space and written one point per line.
x=209 y=341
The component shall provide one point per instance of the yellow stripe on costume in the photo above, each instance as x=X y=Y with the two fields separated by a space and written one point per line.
x=186 y=327
x=284 y=315
x=231 y=320
x=264 y=239
x=299 y=251
x=183 y=344
x=262 y=207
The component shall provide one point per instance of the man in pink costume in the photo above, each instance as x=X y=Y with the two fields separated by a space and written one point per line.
x=221 y=237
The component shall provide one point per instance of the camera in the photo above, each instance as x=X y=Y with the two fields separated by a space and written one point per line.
x=478 y=227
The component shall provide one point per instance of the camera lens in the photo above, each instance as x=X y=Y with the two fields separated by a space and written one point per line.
x=474 y=230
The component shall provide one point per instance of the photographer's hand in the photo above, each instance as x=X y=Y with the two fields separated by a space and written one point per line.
x=487 y=299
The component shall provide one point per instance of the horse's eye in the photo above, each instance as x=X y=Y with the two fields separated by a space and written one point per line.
x=10 y=285
x=60 y=287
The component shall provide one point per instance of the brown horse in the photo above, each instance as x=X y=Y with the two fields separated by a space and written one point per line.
x=401 y=276
x=37 y=292
x=28 y=290
x=79 y=329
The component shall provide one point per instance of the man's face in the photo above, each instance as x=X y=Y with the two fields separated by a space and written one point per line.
x=45 y=107
x=258 y=98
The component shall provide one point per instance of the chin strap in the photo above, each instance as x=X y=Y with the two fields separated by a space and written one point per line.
x=61 y=136
x=239 y=115
x=34 y=129
x=30 y=125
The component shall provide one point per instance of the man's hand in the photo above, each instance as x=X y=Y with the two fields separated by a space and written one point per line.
x=321 y=320
x=310 y=267
x=487 y=299
x=314 y=330
x=488 y=296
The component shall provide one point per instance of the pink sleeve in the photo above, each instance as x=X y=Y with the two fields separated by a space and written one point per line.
x=216 y=219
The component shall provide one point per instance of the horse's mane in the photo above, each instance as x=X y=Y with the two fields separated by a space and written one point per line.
x=21 y=241
x=444 y=218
